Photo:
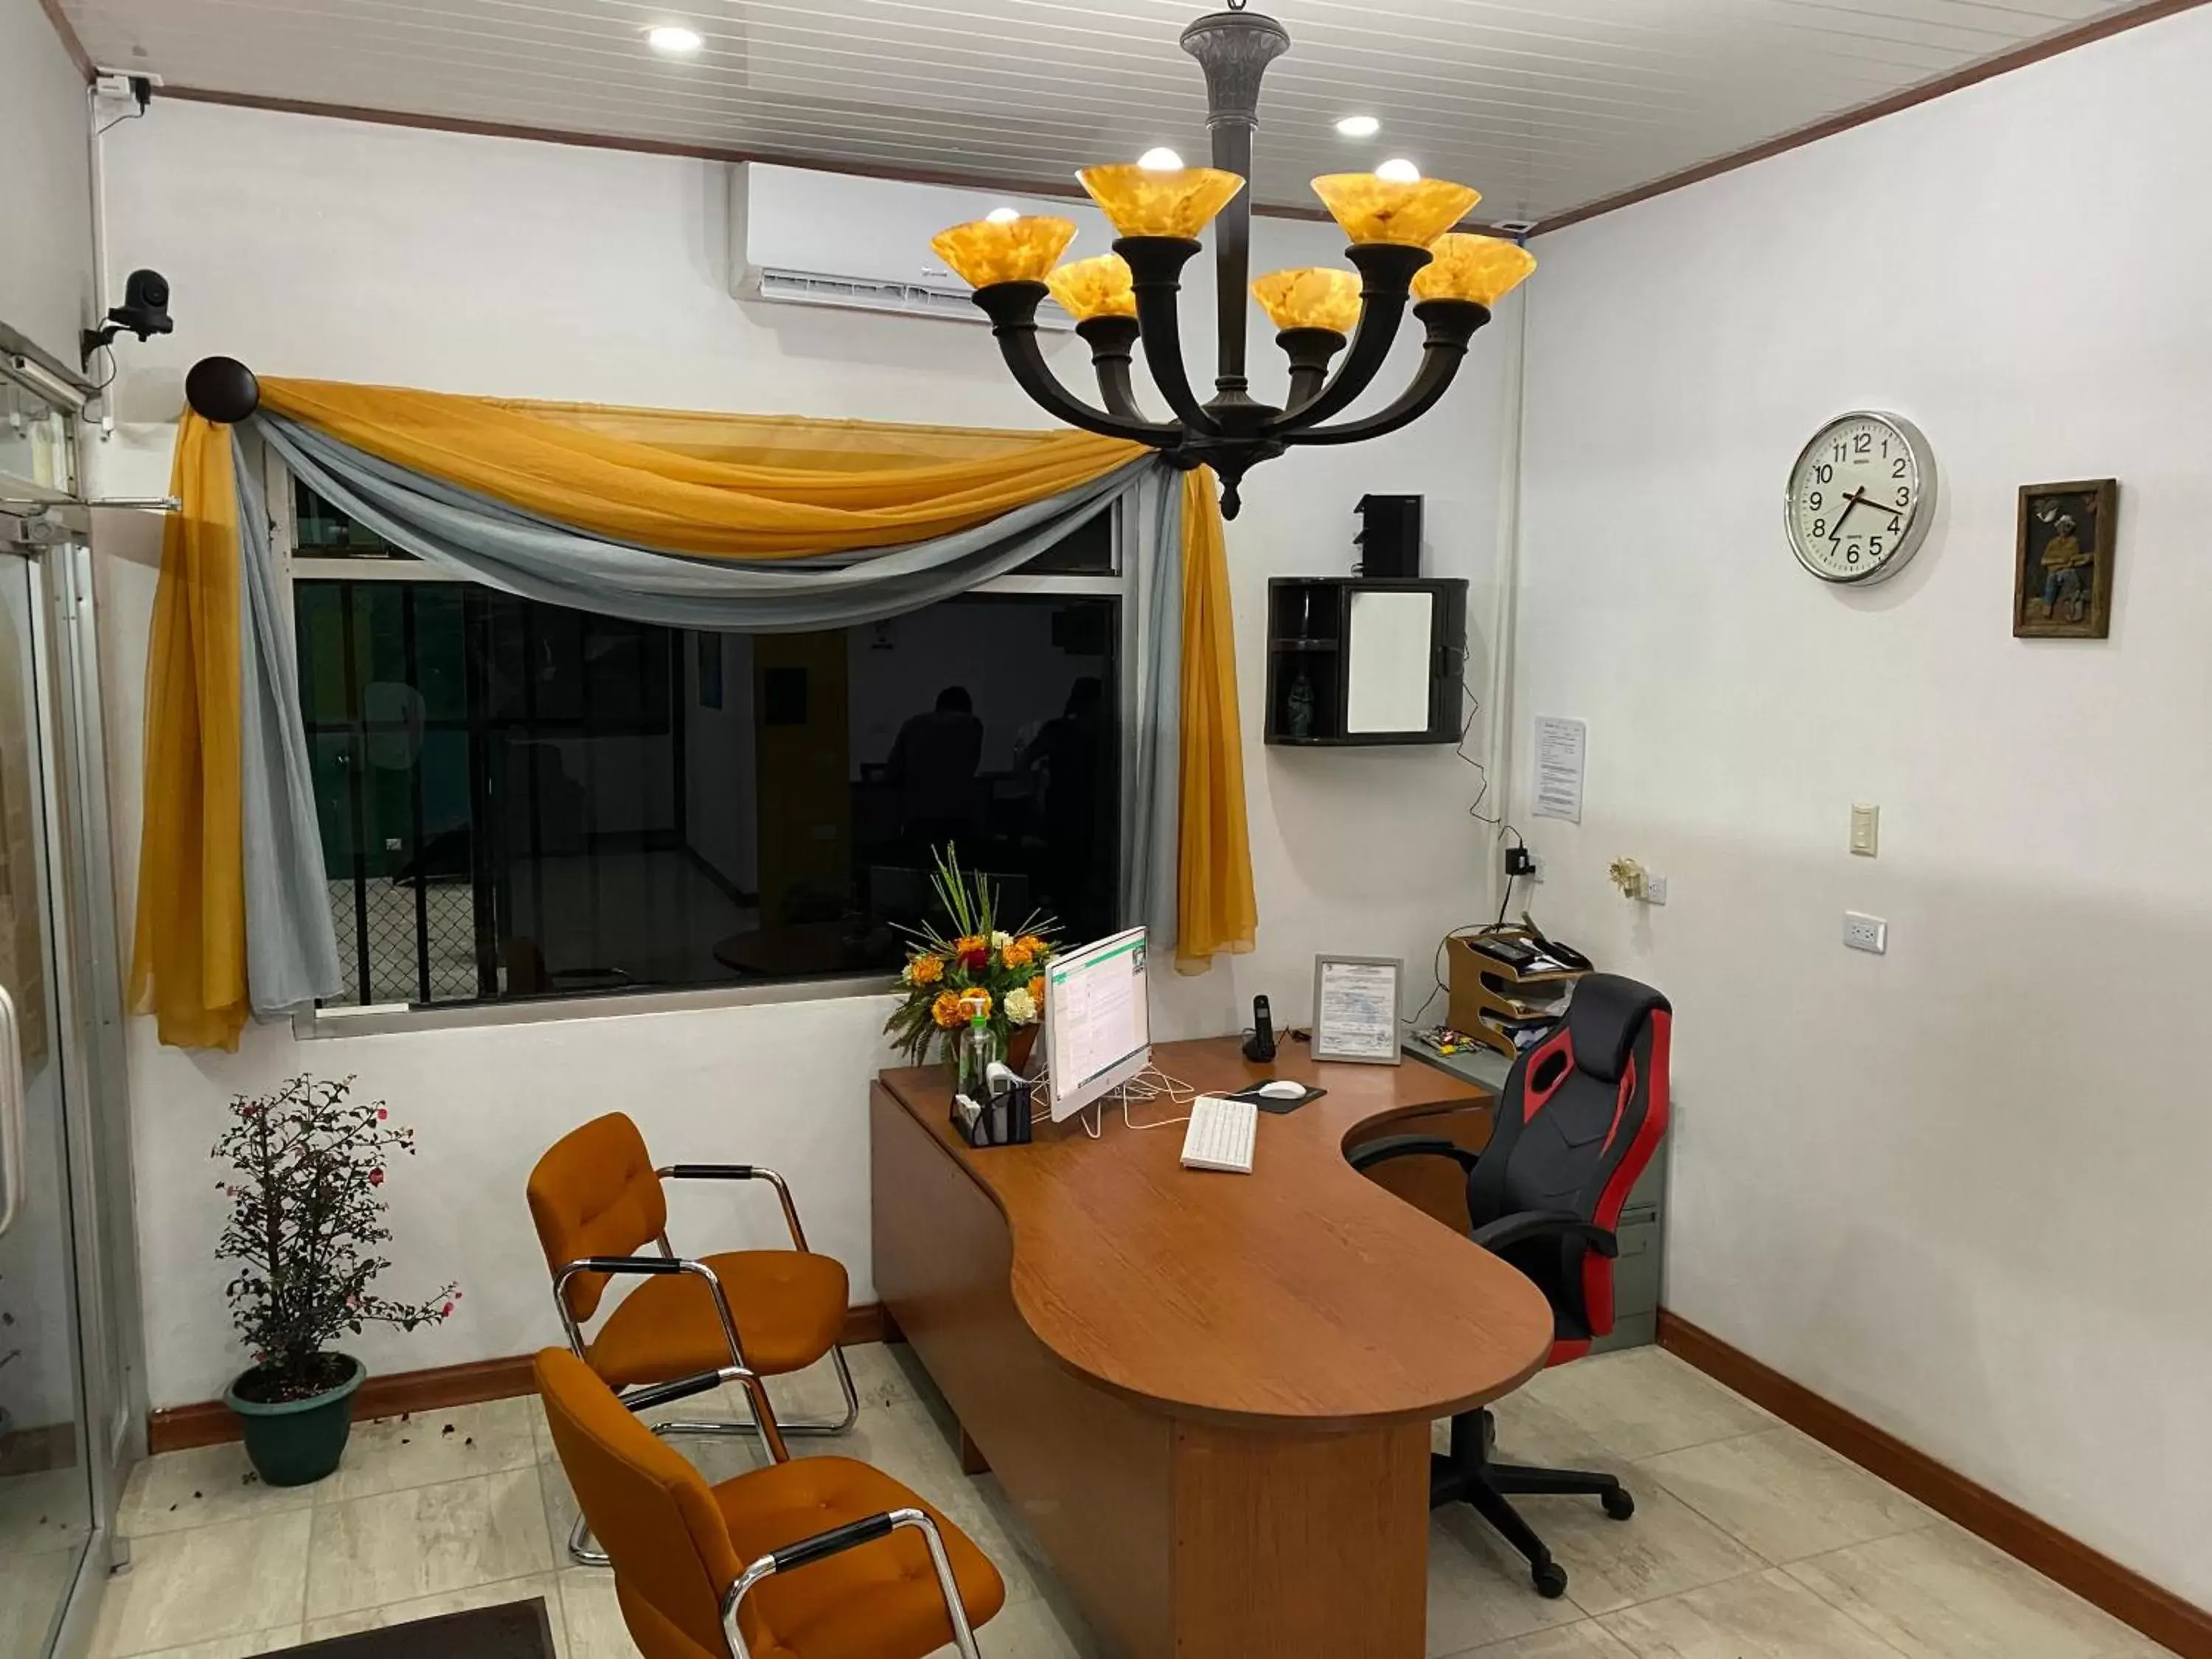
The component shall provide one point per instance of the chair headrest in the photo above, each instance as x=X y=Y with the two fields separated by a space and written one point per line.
x=1606 y=1018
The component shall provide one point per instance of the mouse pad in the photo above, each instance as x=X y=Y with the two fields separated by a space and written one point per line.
x=1280 y=1107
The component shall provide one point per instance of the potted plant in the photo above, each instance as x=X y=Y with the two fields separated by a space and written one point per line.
x=308 y=1165
x=975 y=965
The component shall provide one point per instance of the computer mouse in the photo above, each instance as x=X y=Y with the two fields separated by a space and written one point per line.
x=1283 y=1089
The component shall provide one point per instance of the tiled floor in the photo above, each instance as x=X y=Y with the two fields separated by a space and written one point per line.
x=1749 y=1542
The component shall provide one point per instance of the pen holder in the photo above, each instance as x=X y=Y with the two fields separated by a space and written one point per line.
x=1002 y=1120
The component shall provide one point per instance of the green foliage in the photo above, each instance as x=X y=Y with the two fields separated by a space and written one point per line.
x=967 y=956
x=308 y=1165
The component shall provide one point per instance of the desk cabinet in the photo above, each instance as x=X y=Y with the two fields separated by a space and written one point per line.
x=1431 y=1185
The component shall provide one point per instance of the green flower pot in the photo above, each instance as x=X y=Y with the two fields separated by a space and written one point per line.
x=294 y=1443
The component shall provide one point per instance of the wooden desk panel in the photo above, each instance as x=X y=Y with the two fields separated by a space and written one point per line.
x=1090 y=1472
x=1210 y=1395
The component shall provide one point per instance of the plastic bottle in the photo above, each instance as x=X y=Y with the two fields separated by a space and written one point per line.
x=979 y=1046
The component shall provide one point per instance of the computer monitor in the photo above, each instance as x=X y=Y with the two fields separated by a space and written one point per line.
x=1097 y=1028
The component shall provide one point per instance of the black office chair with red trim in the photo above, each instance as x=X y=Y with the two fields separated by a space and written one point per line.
x=1581 y=1115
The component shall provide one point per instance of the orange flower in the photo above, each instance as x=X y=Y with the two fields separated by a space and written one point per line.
x=946 y=1011
x=1020 y=953
x=975 y=1002
x=924 y=970
x=974 y=952
x=1036 y=990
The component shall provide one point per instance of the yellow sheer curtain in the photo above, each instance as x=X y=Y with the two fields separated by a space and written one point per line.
x=718 y=485
x=1213 y=878
x=188 y=968
x=731 y=486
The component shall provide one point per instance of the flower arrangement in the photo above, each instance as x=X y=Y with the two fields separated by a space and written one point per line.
x=308 y=1164
x=975 y=965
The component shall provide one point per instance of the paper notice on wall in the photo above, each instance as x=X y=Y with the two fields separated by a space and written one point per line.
x=1561 y=746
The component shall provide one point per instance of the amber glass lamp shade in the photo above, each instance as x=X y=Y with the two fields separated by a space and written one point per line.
x=985 y=251
x=1177 y=202
x=1314 y=297
x=1372 y=209
x=1099 y=286
x=1483 y=269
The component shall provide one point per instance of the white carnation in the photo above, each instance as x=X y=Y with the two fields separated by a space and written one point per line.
x=1001 y=940
x=1021 y=1006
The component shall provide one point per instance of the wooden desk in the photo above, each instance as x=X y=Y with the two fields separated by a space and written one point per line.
x=1210 y=1395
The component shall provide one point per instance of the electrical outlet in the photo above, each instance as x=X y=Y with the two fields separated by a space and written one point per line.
x=1863 y=933
x=1655 y=889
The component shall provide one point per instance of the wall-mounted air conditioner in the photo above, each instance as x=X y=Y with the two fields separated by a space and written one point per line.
x=835 y=238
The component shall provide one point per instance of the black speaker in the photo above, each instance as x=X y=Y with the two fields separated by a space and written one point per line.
x=1390 y=535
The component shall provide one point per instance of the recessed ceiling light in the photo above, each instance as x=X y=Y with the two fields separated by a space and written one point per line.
x=1399 y=171
x=1359 y=126
x=673 y=39
x=1003 y=215
x=1162 y=159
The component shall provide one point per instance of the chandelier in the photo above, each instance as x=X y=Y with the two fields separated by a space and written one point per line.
x=1403 y=248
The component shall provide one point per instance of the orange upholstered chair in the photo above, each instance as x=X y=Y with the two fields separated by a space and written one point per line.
x=691 y=1324
x=816 y=1557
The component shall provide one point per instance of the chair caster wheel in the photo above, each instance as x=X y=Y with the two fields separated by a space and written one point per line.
x=1619 y=1504
x=1551 y=1580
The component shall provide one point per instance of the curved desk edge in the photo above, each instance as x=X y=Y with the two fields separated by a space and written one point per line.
x=1092 y=1340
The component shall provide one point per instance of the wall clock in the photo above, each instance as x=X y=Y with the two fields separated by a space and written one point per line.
x=1861 y=498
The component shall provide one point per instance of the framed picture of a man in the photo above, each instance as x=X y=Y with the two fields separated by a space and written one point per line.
x=2062 y=565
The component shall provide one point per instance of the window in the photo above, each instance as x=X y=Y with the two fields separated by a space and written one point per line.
x=519 y=800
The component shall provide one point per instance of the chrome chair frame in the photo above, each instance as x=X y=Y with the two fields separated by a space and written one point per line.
x=581 y=1548
x=837 y=1540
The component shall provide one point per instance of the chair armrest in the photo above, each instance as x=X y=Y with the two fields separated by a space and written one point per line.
x=1545 y=1224
x=742 y=1172
x=1368 y=1154
x=621 y=1264
x=835 y=1541
x=708 y=1172
x=738 y=1369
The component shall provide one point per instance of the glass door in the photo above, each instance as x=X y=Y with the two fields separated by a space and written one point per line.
x=47 y=1451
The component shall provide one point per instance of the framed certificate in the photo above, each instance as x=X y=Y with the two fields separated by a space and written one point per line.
x=1355 y=1008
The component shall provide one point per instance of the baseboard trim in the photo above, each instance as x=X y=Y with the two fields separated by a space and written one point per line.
x=210 y=1423
x=2129 y=1597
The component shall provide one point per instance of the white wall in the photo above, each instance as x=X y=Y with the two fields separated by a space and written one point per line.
x=45 y=189
x=1958 y=1188
x=315 y=247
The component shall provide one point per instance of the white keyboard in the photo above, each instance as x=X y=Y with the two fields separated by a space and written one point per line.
x=1220 y=1135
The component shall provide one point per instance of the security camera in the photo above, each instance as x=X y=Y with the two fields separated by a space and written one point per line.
x=144 y=312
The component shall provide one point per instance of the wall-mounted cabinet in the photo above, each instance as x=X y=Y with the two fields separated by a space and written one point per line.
x=1354 y=660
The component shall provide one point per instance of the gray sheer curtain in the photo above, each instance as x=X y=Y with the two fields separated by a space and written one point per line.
x=292 y=951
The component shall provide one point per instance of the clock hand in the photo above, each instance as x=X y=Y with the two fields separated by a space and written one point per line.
x=1857 y=498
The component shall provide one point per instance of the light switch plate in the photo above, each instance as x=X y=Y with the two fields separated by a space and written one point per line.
x=1864 y=933
x=1866 y=831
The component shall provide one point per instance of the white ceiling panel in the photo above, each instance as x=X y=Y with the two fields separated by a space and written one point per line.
x=1544 y=104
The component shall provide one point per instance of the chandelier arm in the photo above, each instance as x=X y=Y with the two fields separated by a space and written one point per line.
x=1451 y=324
x=1434 y=378
x=1310 y=350
x=1110 y=339
x=1156 y=264
x=1389 y=270
x=1011 y=308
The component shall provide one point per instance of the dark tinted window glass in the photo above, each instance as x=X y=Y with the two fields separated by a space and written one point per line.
x=521 y=800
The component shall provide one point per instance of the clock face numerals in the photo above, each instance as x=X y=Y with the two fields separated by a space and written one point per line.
x=1858 y=498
